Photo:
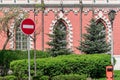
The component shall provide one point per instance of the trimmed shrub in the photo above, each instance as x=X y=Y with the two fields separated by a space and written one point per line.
x=10 y=77
x=6 y=56
x=44 y=78
x=41 y=78
x=36 y=77
x=17 y=54
x=92 y=65
x=1 y=78
x=70 y=77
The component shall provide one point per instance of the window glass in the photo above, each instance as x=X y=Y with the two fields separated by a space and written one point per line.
x=21 y=40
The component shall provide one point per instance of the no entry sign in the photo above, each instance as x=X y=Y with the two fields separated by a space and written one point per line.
x=28 y=26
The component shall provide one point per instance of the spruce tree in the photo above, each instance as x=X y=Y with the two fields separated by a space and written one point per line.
x=58 y=43
x=94 y=41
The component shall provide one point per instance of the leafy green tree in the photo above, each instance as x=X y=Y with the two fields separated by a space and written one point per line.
x=58 y=43
x=5 y=22
x=94 y=41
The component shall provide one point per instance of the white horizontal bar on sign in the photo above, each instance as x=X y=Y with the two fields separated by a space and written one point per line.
x=28 y=26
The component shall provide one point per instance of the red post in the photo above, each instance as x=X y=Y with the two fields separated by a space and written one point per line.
x=109 y=73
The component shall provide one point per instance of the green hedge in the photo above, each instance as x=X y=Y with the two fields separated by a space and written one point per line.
x=70 y=77
x=10 y=77
x=6 y=56
x=93 y=65
x=44 y=78
x=18 y=54
x=40 y=77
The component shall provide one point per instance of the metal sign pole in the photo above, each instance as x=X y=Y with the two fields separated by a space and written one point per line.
x=28 y=46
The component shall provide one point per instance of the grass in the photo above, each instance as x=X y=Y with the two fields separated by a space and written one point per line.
x=117 y=75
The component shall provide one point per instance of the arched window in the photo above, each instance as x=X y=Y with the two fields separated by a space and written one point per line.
x=21 y=40
x=60 y=33
x=62 y=27
x=102 y=25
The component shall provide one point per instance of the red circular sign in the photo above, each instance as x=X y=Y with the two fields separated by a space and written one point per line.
x=28 y=26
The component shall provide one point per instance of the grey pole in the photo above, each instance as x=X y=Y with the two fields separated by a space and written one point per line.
x=28 y=46
x=112 y=45
x=81 y=9
x=35 y=43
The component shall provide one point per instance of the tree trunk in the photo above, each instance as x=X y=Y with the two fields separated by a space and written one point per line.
x=8 y=38
x=5 y=44
x=35 y=53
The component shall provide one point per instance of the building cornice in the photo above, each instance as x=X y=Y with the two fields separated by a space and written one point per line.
x=29 y=5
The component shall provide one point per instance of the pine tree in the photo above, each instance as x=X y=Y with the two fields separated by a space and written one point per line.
x=58 y=43
x=94 y=41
